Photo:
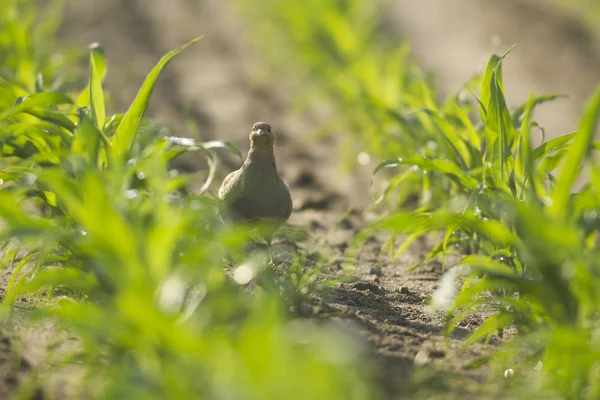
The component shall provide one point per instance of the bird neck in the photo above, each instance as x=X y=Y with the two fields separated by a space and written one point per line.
x=261 y=152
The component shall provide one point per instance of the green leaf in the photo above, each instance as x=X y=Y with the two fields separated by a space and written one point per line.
x=181 y=145
x=486 y=83
x=394 y=182
x=458 y=153
x=72 y=278
x=555 y=144
x=464 y=118
x=499 y=129
x=387 y=164
x=53 y=117
x=38 y=139
x=88 y=139
x=34 y=100
x=524 y=165
x=223 y=144
x=490 y=326
x=535 y=101
x=127 y=130
x=493 y=68
x=97 y=64
x=573 y=160
x=212 y=170
x=97 y=52
x=15 y=275
x=444 y=167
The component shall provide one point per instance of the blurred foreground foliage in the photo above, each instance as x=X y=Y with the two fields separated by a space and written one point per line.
x=102 y=237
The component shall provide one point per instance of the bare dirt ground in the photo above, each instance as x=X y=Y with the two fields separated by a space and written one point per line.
x=212 y=85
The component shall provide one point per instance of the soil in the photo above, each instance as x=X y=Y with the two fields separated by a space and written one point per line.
x=212 y=84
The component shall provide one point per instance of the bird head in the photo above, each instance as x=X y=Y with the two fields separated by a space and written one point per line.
x=261 y=135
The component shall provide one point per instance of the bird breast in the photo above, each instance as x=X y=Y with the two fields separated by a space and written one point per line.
x=268 y=190
x=262 y=194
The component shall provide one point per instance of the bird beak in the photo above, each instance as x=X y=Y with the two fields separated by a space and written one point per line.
x=261 y=132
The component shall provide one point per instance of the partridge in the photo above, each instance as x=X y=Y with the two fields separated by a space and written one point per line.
x=256 y=192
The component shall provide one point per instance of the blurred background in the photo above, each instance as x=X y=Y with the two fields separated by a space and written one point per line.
x=240 y=73
x=557 y=52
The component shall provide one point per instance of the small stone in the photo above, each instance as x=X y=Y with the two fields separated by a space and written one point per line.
x=315 y=225
x=25 y=365
x=306 y=178
x=404 y=290
x=375 y=271
x=437 y=353
x=38 y=395
x=346 y=224
x=422 y=357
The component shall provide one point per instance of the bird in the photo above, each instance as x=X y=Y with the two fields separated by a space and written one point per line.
x=256 y=193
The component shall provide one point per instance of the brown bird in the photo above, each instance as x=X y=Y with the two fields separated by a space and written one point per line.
x=256 y=192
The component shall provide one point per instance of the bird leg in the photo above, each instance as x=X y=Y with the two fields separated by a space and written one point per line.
x=271 y=259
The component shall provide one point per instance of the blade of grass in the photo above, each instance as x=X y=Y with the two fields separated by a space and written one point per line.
x=36 y=100
x=97 y=64
x=127 y=130
x=580 y=147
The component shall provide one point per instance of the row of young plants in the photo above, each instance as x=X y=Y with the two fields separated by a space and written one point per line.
x=126 y=266
x=527 y=238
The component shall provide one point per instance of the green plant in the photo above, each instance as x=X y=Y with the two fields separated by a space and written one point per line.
x=31 y=61
x=104 y=239
x=534 y=243
x=527 y=242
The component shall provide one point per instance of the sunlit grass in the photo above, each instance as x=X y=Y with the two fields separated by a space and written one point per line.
x=527 y=241
x=101 y=234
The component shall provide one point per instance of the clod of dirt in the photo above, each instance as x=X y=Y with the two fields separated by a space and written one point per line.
x=315 y=225
x=25 y=365
x=437 y=353
x=371 y=278
x=38 y=395
x=342 y=247
x=4 y=343
x=336 y=266
x=367 y=286
x=11 y=380
x=317 y=202
x=346 y=224
x=375 y=271
x=306 y=178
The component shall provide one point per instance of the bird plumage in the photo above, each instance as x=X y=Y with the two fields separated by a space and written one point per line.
x=256 y=192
